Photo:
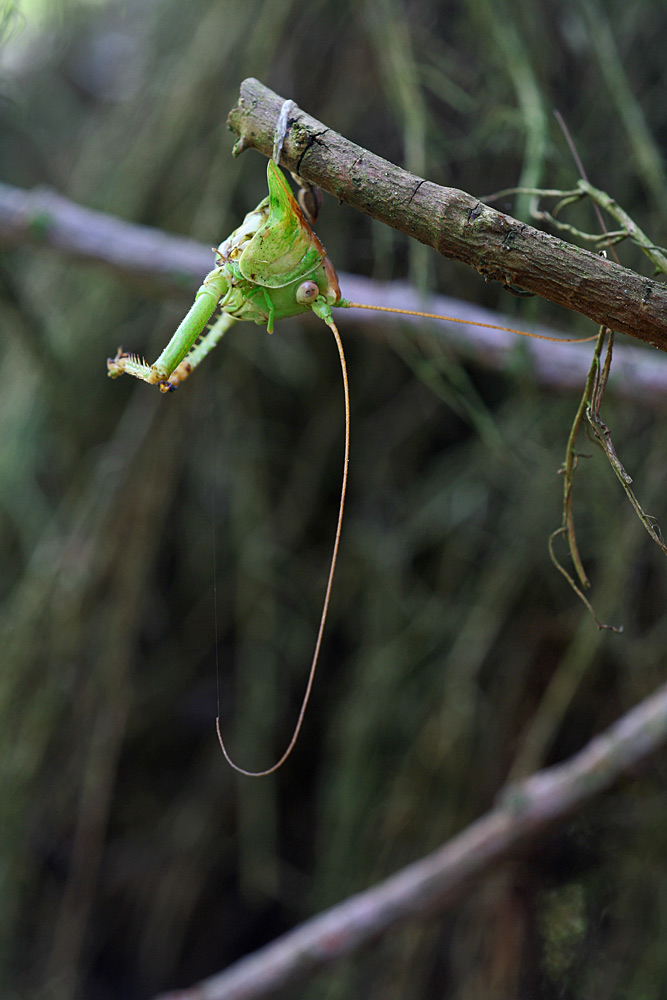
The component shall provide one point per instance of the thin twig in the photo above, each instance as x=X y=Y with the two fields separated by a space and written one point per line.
x=566 y=529
x=602 y=436
x=569 y=465
x=601 y=200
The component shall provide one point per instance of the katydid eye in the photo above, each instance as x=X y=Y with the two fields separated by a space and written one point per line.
x=306 y=293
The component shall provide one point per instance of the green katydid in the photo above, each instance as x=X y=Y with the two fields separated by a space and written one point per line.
x=271 y=267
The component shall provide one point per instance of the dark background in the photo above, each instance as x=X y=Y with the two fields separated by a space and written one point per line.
x=132 y=859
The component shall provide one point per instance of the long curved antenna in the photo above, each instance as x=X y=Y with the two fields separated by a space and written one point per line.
x=472 y=322
x=325 y=606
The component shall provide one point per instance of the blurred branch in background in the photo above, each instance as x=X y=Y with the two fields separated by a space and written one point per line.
x=173 y=265
x=429 y=886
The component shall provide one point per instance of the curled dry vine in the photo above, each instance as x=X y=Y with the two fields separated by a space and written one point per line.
x=597 y=380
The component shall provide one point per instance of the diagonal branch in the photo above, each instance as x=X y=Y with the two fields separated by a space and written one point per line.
x=453 y=222
x=432 y=884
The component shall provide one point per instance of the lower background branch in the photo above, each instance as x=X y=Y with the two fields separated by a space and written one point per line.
x=435 y=882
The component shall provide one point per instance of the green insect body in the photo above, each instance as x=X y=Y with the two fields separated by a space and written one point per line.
x=272 y=266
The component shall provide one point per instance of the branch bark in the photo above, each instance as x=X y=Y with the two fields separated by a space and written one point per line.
x=175 y=265
x=434 y=883
x=453 y=222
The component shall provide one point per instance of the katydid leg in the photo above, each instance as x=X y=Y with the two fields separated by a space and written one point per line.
x=212 y=289
x=197 y=353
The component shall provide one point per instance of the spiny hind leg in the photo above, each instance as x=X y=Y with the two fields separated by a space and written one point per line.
x=132 y=364
x=201 y=347
x=213 y=288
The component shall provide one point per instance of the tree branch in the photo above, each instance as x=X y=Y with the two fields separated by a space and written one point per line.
x=432 y=884
x=453 y=222
x=175 y=265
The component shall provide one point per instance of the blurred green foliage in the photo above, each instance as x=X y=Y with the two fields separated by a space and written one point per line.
x=131 y=858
